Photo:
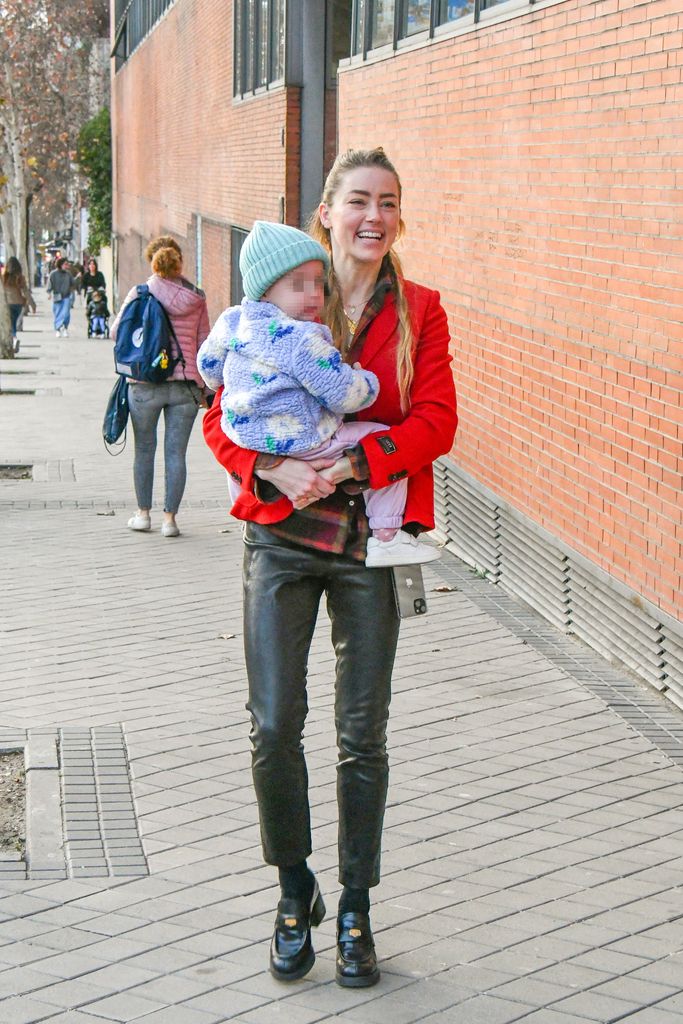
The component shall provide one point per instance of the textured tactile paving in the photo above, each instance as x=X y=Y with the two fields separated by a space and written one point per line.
x=100 y=828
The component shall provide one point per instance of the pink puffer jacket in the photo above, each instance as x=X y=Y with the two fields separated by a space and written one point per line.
x=186 y=306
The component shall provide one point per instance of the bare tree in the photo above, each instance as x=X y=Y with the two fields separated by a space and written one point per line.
x=45 y=69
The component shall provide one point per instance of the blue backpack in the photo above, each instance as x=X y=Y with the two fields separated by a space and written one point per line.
x=145 y=340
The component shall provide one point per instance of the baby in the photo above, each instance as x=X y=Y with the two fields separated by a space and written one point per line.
x=97 y=311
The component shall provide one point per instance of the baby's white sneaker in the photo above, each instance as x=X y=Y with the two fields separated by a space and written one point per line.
x=402 y=549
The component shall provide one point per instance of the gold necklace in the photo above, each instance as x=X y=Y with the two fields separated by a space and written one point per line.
x=351 y=324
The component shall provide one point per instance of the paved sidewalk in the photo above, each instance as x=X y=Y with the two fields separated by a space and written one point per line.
x=533 y=864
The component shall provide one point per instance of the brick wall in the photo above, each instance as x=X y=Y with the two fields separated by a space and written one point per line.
x=188 y=149
x=540 y=160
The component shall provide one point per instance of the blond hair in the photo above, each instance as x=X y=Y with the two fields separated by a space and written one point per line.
x=167 y=262
x=335 y=317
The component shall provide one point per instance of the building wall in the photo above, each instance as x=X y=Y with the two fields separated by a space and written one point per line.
x=188 y=149
x=541 y=160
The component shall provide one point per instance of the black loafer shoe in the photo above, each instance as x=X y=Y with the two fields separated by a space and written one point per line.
x=356 y=959
x=291 y=950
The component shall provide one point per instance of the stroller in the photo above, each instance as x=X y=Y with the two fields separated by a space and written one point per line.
x=98 y=315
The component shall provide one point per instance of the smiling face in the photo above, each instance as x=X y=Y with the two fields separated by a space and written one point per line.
x=301 y=292
x=364 y=215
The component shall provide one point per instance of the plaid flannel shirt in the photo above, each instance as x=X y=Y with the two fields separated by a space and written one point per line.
x=337 y=524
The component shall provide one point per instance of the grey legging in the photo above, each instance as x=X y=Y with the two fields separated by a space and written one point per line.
x=179 y=402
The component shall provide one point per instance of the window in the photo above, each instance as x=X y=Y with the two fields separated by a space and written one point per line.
x=416 y=17
x=383 y=12
x=259 y=44
x=135 y=19
x=379 y=22
x=339 y=37
x=451 y=10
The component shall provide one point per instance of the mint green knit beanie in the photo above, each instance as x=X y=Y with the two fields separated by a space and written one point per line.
x=270 y=251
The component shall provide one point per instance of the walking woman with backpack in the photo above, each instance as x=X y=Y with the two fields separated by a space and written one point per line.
x=306 y=535
x=179 y=397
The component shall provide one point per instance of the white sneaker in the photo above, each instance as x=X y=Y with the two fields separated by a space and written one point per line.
x=65 y=333
x=139 y=522
x=169 y=530
x=402 y=549
x=58 y=333
x=15 y=344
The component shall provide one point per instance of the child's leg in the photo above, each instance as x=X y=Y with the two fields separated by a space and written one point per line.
x=385 y=507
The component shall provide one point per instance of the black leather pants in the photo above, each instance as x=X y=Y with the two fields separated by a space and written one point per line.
x=283 y=584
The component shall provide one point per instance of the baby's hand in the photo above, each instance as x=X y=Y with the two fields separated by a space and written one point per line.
x=357 y=366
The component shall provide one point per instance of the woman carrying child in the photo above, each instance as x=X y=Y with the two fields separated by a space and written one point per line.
x=305 y=536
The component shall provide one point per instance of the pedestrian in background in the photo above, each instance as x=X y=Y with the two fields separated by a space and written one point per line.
x=179 y=397
x=60 y=287
x=17 y=295
x=305 y=537
x=92 y=278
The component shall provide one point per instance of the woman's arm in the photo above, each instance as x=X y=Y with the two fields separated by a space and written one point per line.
x=428 y=430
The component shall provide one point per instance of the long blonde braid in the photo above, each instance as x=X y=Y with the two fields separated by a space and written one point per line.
x=335 y=317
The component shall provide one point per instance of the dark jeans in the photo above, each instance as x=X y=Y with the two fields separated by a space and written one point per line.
x=15 y=309
x=283 y=584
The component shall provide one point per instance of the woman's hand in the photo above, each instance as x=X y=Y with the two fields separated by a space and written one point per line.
x=299 y=481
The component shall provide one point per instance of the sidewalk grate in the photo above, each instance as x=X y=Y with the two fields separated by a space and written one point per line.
x=16 y=471
x=646 y=712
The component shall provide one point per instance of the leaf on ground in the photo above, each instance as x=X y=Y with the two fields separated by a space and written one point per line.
x=226 y=636
x=444 y=590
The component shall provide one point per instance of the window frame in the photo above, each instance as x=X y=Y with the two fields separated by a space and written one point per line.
x=134 y=20
x=363 y=17
x=258 y=56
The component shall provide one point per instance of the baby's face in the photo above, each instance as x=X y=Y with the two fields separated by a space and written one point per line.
x=301 y=292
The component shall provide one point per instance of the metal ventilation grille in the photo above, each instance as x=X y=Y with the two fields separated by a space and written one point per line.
x=616 y=627
x=563 y=586
x=468 y=520
x=672 y=647
x=533 y=570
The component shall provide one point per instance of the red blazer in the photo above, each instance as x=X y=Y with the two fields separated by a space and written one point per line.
x=412 y=442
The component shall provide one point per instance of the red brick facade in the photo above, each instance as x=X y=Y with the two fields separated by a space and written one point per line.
x=185 y=148
x=541 y=160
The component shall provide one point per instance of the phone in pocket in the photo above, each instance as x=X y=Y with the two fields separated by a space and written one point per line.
x=409 y=590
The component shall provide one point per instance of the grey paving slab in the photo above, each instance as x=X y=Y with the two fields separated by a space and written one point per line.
x=532 y=866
